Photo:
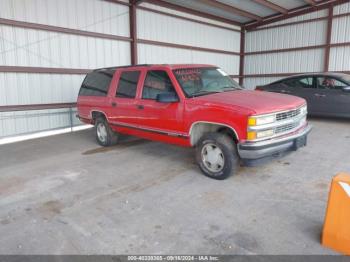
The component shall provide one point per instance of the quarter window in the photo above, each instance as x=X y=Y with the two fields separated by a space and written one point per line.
x=156 y=82
x=97 y=83
x=127 y=85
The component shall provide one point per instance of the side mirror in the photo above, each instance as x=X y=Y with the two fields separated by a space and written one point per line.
x=346 y=89
x=167 y=98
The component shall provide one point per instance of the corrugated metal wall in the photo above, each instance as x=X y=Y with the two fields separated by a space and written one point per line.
x=340 y=56
x=289 y=36
x=159 y=27
x=43 y=48
x=39 y=48
x=294 y=36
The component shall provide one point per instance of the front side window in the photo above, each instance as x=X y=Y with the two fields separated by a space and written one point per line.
x=329 y=83
x=97 y=83
x=127 y=85
x=305 y=82
x=203 y=81
x=156 y=82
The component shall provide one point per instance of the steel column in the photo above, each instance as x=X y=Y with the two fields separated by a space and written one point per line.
x=241 y=57
x=328 y=39
x=133 y=32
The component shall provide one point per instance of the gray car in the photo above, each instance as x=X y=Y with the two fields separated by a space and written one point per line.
x=327 y=94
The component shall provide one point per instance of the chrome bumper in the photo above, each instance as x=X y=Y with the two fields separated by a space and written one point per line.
x=273 y=147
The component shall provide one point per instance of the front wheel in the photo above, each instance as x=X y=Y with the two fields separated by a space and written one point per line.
x=217 y=156
x=105 y=136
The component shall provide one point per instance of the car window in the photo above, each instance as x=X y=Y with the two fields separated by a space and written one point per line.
x=305 y=82
x=128 y=84
x=156 y=82
x=329 y=83
x=96 y=83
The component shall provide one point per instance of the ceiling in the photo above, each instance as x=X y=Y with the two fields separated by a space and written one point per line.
x=249 y=13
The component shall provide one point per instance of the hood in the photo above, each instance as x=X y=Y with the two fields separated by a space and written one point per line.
x=257 y=101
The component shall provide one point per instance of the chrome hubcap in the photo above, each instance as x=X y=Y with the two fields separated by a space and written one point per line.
x=212 y=157
x=102 y=132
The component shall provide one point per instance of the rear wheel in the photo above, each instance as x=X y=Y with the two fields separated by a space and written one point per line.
x=105 y=136
x=217 y=156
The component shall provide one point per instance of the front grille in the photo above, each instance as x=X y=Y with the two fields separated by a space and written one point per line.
x=286 y=128
x=288 y=114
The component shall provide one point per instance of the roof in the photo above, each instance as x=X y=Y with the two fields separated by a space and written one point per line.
x=248 y=13
x=171 y=66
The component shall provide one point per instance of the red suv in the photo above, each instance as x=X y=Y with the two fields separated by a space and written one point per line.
x=195 y=106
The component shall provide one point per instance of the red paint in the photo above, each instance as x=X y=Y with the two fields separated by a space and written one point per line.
x=171 y=122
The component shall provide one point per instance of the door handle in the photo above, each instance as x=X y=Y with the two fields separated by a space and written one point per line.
x=140 y=107
x=114 y=104
x=319 y=95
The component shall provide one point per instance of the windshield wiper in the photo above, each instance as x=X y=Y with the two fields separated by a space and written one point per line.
x=232 y=87
x=202 y=93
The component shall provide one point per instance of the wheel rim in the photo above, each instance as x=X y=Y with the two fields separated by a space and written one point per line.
x=102 y=132
x=213 y=157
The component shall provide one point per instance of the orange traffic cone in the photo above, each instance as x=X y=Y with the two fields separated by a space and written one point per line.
x=336 y=229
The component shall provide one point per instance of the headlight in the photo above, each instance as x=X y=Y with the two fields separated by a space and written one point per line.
x=251 y=135
x=261 y=120
x=303 y=110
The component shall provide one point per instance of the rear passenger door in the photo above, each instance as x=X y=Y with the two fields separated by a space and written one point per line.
x=163 y=117
x=123 y=109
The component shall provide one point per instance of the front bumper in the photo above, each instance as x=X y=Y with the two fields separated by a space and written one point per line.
x=253 y=153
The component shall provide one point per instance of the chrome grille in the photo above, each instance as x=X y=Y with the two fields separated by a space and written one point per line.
x=286 y=128
x=288 y=114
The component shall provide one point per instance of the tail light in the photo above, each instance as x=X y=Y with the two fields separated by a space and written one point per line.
x=259 y=88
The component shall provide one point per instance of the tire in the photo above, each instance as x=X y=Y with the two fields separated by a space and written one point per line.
x=105 y=136
x=216 y=156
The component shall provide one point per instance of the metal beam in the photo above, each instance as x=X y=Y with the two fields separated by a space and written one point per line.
x=138 y=2
x=64 y=30
x=44 y=70
x=310 y=2
x=328 y=38
x=187 y=47
x=193 y=12
x=133 y=33
x=241 y=57
x=118 y=2
x=272 y=6
x=187 y=18
x=294 y=12
x=11 y=108
x=284 y=74
x=230 y=9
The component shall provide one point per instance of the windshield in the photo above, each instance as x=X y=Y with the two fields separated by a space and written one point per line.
x=203 y=81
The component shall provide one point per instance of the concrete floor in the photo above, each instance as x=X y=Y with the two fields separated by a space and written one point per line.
x=66 y=195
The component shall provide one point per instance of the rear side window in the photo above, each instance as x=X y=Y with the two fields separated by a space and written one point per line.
x=96 y=83
x=156 y=82
x=128 y=84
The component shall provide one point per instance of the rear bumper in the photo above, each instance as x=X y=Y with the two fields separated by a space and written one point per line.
x=253 y=153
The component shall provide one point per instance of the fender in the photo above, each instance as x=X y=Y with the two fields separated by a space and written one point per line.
x=213 y=123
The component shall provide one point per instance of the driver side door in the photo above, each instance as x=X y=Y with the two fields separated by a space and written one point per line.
x=331 y=98
x=162 y=118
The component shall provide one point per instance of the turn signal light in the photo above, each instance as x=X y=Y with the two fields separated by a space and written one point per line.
x=251 y=135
